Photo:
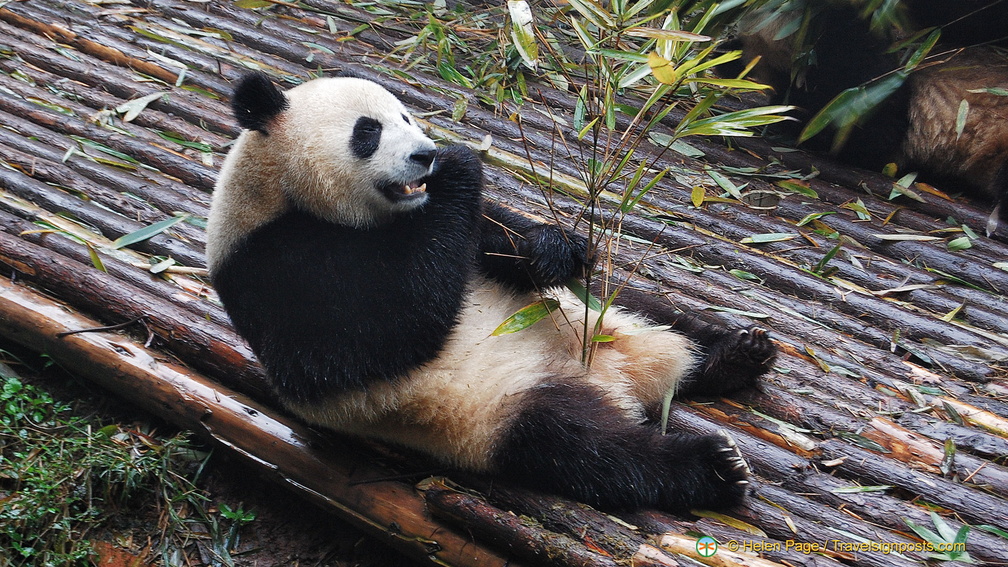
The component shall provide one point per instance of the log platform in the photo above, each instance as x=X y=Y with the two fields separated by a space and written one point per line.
x=887 y=408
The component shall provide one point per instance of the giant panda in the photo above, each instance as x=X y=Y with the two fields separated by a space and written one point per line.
x=917 y=126
x=367 y=272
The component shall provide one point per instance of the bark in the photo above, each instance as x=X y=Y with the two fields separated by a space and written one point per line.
x=518 y=534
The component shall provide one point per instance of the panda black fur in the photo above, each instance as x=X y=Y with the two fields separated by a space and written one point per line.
x=915 y=127
x=367 y=273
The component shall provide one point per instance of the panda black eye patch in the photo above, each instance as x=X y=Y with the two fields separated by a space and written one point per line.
x=366 y=136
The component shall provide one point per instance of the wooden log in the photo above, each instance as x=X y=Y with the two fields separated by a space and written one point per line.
x=519 y=535
x=164 y=193
x=92 y=47
x=187 y=170
x=579 y=521
x=755 y=543
x=87 y=70
x=799 y=477
x=328 y=471
x=972 y=504
x=211 y=348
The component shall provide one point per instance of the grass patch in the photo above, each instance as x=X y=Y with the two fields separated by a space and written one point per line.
x=67 y=478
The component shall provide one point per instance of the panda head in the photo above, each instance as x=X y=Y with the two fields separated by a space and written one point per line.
x=344 y=149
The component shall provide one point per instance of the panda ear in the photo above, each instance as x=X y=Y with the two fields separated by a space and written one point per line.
x=256 y=101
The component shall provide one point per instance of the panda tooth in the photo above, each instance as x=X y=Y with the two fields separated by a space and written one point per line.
x=422 y=188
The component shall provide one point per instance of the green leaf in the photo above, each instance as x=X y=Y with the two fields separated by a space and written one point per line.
x=523 y=32
x=744 y=275
x=906 y=237
x=961 y=116
x=993 y=529
x=768 y=237
x=818 y=268
x=578 y=289
x=252 y=4
x=147 y=232
x=848 y=107
x=527 y=316
x=603 y=339
x=95 y=259
x=797 y=186
x=814 y=216
x=961 y=243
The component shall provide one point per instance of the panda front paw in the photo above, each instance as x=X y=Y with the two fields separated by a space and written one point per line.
x=456 y=168
x=554 y=255
x=735 y=361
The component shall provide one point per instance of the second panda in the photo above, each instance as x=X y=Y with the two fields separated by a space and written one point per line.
x=367 y=273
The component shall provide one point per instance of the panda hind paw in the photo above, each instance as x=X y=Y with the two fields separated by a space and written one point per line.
x=717 y=477
x=735 y=361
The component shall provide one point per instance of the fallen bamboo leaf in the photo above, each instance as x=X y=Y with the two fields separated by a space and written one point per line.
x=961 y=243
x=523 y=32
x=906 y=237
x=147 y=232
x=768 y=237
x=904 y=289
x=133 y=108
x=697 y=195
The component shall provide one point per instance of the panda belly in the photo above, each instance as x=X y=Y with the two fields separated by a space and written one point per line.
x=459 y=406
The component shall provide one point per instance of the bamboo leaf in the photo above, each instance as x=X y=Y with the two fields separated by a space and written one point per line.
x=961 y=115
x=578 y=289
x=95 y=259
x=697 y=196
x=814 y=216
x=906 y=237
x=146 y=232
x=848 y=107
x=523 y=32
x=527 y=316
x=668 y=35
x=818 y=268
x=252 y=4
x=662 y=69
x=768 y=237
x=133 y=108
x=729 y=521
x=961 y=243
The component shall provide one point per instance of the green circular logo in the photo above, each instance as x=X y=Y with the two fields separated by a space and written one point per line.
x=706 y=546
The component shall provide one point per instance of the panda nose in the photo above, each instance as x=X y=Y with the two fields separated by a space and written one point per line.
x=424 y=158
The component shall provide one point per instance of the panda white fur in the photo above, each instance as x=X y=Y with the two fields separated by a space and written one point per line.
x=367 y=273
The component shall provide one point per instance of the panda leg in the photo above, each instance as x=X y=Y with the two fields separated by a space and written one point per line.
x=569 y=439
x=650 y=359
x=731 y=359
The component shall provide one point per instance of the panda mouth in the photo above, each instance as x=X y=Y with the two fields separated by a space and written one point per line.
x=399 y=192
